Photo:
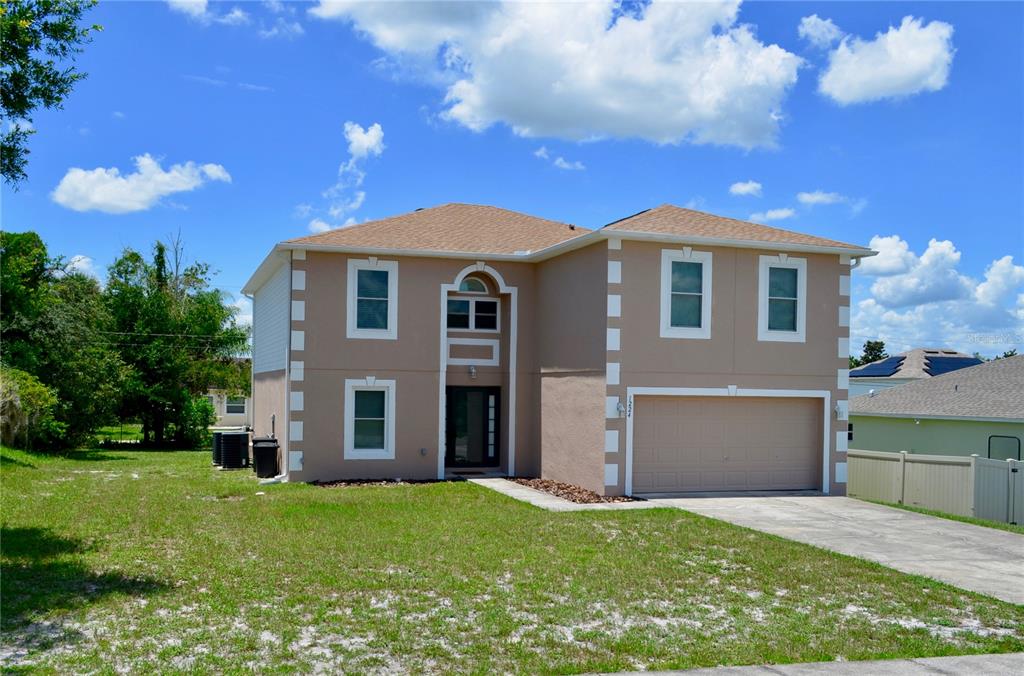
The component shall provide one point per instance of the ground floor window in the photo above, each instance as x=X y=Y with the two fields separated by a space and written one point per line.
x=369 y=419
x=235 y=405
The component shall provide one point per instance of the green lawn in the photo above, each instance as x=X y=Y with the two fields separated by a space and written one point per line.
x=1012 y=527
x=145 y=561
x=125 y=432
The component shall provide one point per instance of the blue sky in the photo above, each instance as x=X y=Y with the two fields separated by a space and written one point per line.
x=854 y=124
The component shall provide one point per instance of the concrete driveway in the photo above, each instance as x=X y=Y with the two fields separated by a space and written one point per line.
x=984 y=560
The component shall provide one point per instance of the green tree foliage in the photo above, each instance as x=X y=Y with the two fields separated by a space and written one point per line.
x=874 y=350
x=178 y=337
x=35 y=37
x=53 y=325
x=26 y=410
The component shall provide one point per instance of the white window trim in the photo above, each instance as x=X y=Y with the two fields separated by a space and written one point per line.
x=354 y=266
x=227 y=402
x=685 y=255
x=364 y=384
x=472 y=312
x=782 y=261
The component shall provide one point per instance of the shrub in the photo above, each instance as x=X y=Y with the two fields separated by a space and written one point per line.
x=196 y=418
x=26 y=410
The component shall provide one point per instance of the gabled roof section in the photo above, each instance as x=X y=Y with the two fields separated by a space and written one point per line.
x=921 y=362
x=993 y=390
x=456 y=228
x=670 y=220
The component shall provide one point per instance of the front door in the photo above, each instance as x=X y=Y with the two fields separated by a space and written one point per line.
x=471 y=426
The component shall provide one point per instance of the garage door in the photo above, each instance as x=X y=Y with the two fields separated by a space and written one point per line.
x=684 y=444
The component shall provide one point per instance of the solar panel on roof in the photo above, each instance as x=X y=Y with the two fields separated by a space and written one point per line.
x=880 y=369
x=936 y=366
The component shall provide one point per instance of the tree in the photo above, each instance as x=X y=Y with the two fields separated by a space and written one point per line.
x=874 y=350
x=178 y=336
x=35 y=35
x=53 y=325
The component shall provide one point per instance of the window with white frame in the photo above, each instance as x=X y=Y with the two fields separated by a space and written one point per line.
x=782 y=299
x=235 y=405
x=372 y=299
x=685 y=293
x=369 y=419
x=473 y=314
x=472 y=285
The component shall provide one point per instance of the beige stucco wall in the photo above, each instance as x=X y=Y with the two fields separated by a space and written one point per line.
x=412 y=361
x=930 y=436
x=570 y=337
x=733 y=355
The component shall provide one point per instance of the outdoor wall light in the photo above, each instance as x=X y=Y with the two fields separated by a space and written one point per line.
x=620 y=409
x=472 y=372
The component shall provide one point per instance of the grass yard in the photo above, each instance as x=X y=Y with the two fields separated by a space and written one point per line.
x=145 y=561
x=125 y=432
x=1012 y=527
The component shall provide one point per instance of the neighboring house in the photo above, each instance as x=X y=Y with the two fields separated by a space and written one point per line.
x=232 y=410
x=976 y=410
x=673 y=350
x=906 y=367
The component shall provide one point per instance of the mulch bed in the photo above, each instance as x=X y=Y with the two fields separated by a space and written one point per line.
x=370 y=482
x=570 y=492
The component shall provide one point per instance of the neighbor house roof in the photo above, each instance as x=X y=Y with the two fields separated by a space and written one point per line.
x=672 y=220
x=992 y=390
x=921 y=362
x=465 y=228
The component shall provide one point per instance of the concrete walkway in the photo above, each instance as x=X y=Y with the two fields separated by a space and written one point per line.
x=553 y=503
x=973 y=665
x=976 y=558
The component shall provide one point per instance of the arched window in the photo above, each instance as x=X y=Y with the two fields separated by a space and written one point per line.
x=472 y=285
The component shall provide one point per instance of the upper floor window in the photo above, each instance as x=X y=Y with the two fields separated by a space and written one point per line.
x=473 y=314
x=372 y=299
x=472 y=285
x=685 y=293
x=782 y=299
x=235 y=405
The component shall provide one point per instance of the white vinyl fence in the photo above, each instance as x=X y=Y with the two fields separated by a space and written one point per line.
x=967 y=486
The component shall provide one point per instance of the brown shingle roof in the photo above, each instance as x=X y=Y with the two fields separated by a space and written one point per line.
x=994 y=389
x=466 y=228
x=672 y=220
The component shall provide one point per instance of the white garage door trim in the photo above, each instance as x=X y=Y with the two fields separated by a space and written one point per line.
x=730 y=391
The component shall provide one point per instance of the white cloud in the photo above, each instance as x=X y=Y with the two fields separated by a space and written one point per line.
x=751 y=188
x=109 y=191
x=820 y=197
x=319 y=225
x=340 y=208
x=894 y=257
x=904 y=60
x=931 y=278
x=243 y=311
x=117 y=114
x=248 y=86
x=82 y=264
x=926 y=301
x=282 y=28
x=236 y=17
x=821 y=33
x=563 y=163
x=541 y=152
x=773 y=215
x=303 y=210
x=195 y=9
x=1002 y=279
x=364 y=142
x=669 y=72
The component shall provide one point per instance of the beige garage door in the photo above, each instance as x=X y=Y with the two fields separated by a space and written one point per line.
x=684 y=444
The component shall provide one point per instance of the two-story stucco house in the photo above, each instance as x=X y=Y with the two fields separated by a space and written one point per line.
x=671 y=351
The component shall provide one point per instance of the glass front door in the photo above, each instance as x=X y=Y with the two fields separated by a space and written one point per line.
x=471 y=426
